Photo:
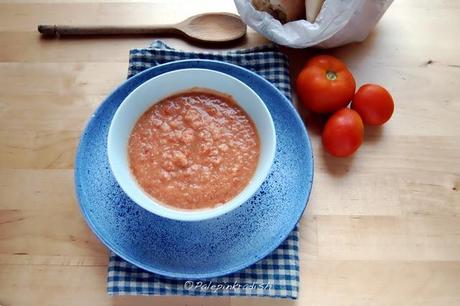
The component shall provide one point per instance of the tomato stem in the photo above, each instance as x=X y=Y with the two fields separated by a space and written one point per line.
x=331 y=75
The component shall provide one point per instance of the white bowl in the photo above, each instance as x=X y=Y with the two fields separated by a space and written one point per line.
x=157 y=88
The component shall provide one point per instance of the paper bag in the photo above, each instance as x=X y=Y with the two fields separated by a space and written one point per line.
x=339 y=22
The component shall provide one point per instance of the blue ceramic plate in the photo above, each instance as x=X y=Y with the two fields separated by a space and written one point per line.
x=203 y=249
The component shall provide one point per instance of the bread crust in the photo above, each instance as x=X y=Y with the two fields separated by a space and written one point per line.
x=283 y=10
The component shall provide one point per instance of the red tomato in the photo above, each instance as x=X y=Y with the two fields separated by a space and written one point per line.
x=373 y=103
x=343 y=133
x=325 y=85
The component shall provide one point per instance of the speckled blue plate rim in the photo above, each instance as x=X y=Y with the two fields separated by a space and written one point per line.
x=128 y=86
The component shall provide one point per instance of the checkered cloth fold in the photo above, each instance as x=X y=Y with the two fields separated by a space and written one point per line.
x=277 y=275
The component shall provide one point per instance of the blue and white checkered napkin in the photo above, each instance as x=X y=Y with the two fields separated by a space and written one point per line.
x=277 y=275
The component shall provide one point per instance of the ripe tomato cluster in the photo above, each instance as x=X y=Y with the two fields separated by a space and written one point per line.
x=326 y=86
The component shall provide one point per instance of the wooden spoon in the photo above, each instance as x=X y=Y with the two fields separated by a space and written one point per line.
x=209 y=27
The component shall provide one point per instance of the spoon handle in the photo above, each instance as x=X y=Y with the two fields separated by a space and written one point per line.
x=64 y=30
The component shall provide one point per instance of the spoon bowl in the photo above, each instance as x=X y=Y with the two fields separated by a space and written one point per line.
x=213 y=27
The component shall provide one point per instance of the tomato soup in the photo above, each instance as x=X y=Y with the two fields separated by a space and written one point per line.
x=195 y=149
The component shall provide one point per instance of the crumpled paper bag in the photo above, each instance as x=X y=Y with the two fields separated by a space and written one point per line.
x=339 y=22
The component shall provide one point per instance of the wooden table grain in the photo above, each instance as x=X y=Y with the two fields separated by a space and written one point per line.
x=381 y=228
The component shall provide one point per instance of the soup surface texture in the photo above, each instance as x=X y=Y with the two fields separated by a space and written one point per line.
x=195 y=149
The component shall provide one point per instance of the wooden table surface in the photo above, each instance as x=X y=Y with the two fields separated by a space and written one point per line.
x=381 y=228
